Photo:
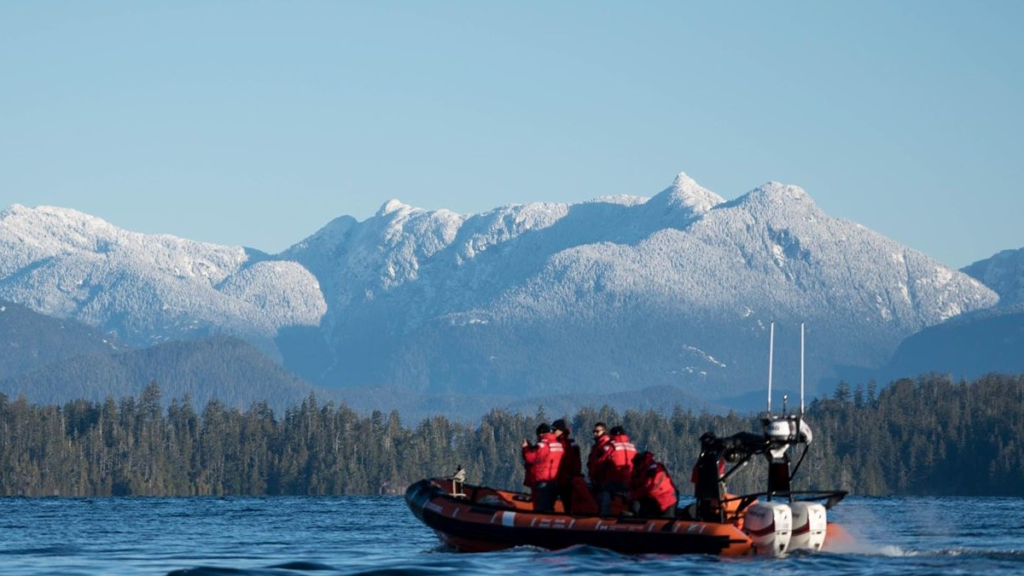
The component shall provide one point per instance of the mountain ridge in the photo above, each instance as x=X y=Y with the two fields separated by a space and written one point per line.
x=1004 y=273
x=148 y=288
x=977 y=342
x=515 y=268
x=670 y=292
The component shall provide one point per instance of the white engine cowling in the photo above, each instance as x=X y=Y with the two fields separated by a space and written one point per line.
x=770 y=526
x=784 y=429
x=809 y=526
x=780 y=429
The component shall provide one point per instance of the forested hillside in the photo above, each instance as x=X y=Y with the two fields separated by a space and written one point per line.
x=924 y=437
x=31 y=340
x=221 y=367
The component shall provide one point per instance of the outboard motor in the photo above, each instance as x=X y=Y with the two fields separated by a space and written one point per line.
x=809 y=526
x=770 y=526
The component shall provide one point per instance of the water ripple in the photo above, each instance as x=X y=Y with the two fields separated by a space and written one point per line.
x=378 y=536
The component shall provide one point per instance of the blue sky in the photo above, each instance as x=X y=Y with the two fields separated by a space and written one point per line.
x=256 y=123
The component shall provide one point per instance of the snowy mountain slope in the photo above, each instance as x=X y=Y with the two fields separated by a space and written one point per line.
x=355 y=262
x=148 y=288
x=1004 y=273
x=975 y=343
x=772 y=250
x=597 y=299
x=617 y=294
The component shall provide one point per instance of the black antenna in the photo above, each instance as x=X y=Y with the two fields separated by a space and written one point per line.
x=771 y=355
x=801 y=369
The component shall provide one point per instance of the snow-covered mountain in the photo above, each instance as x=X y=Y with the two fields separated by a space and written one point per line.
x=610 y=296
x=974 y=343
x=149 y=288
x=618 y=294
x=1003 y=273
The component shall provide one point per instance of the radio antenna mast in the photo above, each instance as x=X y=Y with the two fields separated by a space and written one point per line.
x=771 y=353
x=801 y=368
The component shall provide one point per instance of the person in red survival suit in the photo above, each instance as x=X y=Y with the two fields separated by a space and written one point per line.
x=616 y=469
x=651 y=488
x=600 y=452
x=621 y=468
x=571 y=465
x=542 y=462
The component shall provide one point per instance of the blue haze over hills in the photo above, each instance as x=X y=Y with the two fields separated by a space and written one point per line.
x=570 y=304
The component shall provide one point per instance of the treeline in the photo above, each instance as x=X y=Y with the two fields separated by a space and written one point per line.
x=927 y=436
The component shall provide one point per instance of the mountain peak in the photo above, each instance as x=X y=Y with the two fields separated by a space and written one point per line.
x=13 y=209
x=685 y=195
x=1004 y=273
x=688 y=193
x=52 y=230
x=779 y=193
x=58 y=215
x=777 y=198
x=392 y=206
x=683 y=181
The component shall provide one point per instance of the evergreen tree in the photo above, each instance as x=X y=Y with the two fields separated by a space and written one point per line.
x=923 y=436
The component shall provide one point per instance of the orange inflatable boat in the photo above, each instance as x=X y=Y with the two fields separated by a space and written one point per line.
x=479 y=519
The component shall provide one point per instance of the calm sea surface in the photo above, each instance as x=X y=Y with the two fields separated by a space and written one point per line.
x=350 y=535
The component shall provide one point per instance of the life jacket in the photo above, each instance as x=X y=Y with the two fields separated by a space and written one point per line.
x=651 y=480
x=542 y=460
x=571 y=465
x=620 y=463
x=599 y=456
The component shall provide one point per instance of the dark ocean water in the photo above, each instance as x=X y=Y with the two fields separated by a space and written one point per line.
x=352 y=535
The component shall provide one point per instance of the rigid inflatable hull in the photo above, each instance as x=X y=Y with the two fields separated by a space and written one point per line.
x=474 y=527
